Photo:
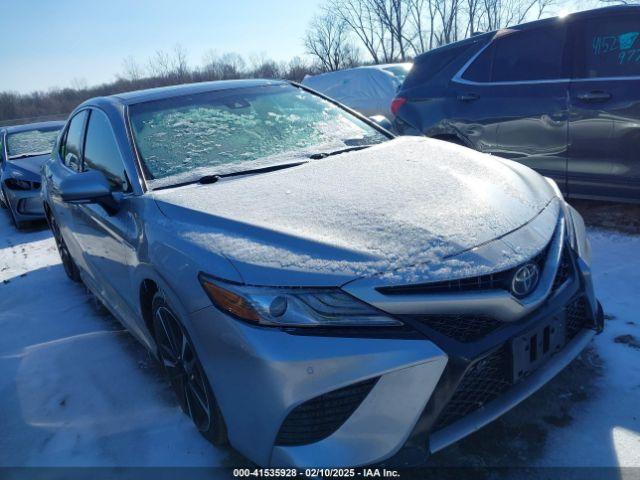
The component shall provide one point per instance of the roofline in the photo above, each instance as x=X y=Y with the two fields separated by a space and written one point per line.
x=26 y=127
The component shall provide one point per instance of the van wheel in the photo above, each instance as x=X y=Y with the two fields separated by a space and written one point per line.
x=185 y=373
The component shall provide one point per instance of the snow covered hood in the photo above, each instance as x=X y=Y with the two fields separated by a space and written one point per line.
x=401 y=210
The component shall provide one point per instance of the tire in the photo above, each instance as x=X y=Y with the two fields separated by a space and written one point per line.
x=185 y=373
x=70 y=267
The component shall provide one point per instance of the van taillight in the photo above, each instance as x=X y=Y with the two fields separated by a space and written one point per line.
x=396 y=104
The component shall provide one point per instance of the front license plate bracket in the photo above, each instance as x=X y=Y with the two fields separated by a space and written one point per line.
x=531 y=349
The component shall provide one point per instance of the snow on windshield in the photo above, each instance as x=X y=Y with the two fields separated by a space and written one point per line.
x=224 y=132
x=31 y=142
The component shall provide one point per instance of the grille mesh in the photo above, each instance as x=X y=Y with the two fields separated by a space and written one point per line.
x=577 y=317
x=463 y=328
x=484 y=381
x=321 y=416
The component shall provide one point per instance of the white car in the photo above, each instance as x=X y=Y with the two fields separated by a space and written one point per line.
x=369 y=90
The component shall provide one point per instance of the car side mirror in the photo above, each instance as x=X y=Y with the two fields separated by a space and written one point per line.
x=88 y=187
x=382 y=121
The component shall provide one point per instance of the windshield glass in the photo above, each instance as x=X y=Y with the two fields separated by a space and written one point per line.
x=399 y=71
x=31 y=143
x=182 y=138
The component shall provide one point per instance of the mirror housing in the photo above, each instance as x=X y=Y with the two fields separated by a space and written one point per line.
x=87 y=187
x=382 y=121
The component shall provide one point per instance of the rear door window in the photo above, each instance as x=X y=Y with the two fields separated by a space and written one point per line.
x=71 y=149
x=610 y=47
x=522 y=55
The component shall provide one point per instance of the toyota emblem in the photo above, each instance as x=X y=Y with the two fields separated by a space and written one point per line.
x=525 y=280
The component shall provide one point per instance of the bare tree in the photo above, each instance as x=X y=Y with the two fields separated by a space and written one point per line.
x=328 y=41
x=160 y=64
x=132 y=70
x=179 y=63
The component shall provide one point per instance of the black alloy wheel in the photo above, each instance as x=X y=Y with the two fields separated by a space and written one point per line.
x=186 y=375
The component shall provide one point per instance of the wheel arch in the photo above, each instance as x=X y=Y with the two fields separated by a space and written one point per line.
x=147 y=290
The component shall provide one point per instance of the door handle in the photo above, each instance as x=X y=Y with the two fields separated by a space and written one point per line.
x=468 y=97
x=595 y=96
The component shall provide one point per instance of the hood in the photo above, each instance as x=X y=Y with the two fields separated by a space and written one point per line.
x=401 y=210
x=25 y=168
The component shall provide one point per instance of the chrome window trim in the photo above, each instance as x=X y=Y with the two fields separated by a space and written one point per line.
x=605 y=79
x=457 y=78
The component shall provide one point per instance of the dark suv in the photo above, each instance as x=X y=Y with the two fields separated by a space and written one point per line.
x=560 y=95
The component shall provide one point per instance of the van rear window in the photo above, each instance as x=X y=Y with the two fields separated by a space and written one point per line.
x=428 y=65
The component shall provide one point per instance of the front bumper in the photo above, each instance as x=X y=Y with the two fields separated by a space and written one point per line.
x=263 y=378
x=26 y=205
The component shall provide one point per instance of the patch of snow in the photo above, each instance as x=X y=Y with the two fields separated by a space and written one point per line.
x=76 y=390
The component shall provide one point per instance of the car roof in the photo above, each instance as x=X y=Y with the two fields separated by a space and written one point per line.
x=480 y=36
x=381 y=66
x=34 y=126
x=139 y=96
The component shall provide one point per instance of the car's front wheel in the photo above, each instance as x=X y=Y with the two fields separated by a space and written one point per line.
x=70 y=267
x=185 y=373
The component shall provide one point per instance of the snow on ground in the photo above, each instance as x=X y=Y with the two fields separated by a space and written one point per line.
x=76 y=389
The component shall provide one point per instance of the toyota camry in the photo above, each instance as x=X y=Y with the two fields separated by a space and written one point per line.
x=318 y=292
x=23 y=150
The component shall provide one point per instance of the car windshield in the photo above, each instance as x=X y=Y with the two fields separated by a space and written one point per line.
x=399 y=71
x=31 y=142
x=183 y=138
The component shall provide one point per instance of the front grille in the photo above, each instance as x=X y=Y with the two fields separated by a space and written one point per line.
x=463 y=328
x=494 y=281
x=488 y=378
x=577 y=317
x=321 y=416
x=484 y=381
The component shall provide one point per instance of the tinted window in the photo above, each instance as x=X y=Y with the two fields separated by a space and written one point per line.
x=101 y=151
x=428 y=65
x=522 y=55
x=611 y=47
x=71 y=150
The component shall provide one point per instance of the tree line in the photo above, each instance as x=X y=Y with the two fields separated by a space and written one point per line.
x=344 y=33
x=349 y=32
x=163 y=68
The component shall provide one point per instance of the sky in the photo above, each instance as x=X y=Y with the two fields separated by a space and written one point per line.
x=47 y=43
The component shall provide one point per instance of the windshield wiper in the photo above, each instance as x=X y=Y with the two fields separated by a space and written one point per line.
x=213 y=178
x=26 y=155
x=321 y=155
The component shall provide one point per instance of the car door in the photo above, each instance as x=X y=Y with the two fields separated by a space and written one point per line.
x=68 y=155
x=604 y=126
x=108 y=235
x=517 y=89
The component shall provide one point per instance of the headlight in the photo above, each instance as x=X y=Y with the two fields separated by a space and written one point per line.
x=15 y=184
x=578 y=233
x=293 y=307
x=568 y=217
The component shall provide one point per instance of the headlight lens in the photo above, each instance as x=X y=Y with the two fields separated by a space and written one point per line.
x=15 y=184
x=293 y=307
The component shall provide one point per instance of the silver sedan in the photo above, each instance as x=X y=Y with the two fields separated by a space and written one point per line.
x=319 y=292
